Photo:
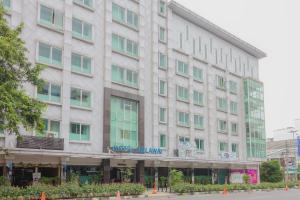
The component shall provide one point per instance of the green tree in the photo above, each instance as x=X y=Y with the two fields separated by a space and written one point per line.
x=16 y=107
x=176 y=177
x=271 y=171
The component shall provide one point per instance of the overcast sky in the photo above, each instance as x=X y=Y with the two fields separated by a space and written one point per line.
x=274 y=27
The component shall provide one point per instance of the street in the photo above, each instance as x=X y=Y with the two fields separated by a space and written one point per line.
x=272 y=195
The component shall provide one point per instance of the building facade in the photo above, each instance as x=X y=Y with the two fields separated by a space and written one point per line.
x=143 y=84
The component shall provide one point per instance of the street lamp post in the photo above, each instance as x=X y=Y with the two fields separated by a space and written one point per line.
x=293 y=131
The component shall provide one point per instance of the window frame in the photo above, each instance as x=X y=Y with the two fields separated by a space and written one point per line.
x=82 y=57
x=160 y=66
x=81 y=36
x=194 y=120
x=220 y=102
x=81 y=97
x=125 y=76
x=185 y=68
x=82 y=4
x=165 y=141
x=201 y=141
x=81 y=124
x=225 y=131
x=135 y=17
x=199 y=95
x=38 y=60
x=165 y=111
x=125 y=45
x=186 y=116
x=49 y=101
x=159 y=8
x=162 y=30
x=195 y=77
x=184 y=90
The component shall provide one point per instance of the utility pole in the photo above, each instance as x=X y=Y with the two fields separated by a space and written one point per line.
x=293 y=131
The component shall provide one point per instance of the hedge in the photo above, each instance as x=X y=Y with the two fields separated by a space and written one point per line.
x=68 y=190
x=190 y=188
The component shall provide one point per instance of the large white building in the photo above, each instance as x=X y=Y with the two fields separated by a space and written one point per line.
x=137 y=83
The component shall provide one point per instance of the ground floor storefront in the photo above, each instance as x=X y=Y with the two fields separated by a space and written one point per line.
x=24 y=168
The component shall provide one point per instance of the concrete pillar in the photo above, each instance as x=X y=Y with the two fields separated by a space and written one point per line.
x=156 y=177
x=8 y=168
x=258 y=174
x=140 y=171
x=63 y=169
x=106 y=170
x=193 y=175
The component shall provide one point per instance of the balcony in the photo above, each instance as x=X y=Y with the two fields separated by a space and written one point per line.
x=34 y=142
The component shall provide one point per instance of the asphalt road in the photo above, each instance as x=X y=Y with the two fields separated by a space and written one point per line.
x=272 y=195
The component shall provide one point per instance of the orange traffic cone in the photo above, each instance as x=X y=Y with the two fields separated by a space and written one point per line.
x=118 y=196
x=43 y=196
x=286 y=187
x=154 y=190
x=225 y=192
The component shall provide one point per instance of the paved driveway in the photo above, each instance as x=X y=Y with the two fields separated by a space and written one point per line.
x=272 y=195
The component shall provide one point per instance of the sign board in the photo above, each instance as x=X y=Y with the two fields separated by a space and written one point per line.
x=227 y=156
x=186 y=150
x=138 y=150
x=236 y=177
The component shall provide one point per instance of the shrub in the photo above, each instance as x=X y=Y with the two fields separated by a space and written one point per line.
x=4 y=181
x=70 y=190
x=176 y=177
x=270 y=171
x=246 y=178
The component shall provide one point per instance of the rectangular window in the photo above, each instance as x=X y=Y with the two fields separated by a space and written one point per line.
x=79 y=132
x=123 y=122
x=80 y=98
x=123 y=45
x=199 y=144
x=51 y=128
x=51 y=18
x=87 y=3
x=198 y=122
x=49 y=92
x=162 y=88
x=233 y=87
x=222 y=126
x=197 y=74
x=222 y=104
x=183 y=140
x=124 y=16
x=233 y=107
x=235 y=149
x=162 y=34
x=183 y=119
x=124 y=76
x=162 y=115
x=82 y=30
x=81 y=64
x=162 y=61
x=162 y=141
x=221 y=82
x=223 y=147
x=198 y=98
x=182 y=68
x=234 y=129
x=6 y=4
x=180 y=40
x=49 y=55
x=162 y=7
x=182 y=93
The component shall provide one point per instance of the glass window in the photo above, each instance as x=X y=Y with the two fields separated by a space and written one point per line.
x=184 y=139
x=132 y=19
x=234 y=148
x=162 y=7
x=81 y=29
x=81 y=64
x=222 y=104
x=162 y=87
x=118 y=13
x=183 y=119
x=221 y=82
x=199 y=144
x=223 y=147
x=162 y=61
x=80 y=98
x=198 y=122
x=182 y=68
x=233 y=87
x=222 y=126
x=197 y=74
x=123 y=45
x=124 y=76
x=234 y=128
x=79 y=132
x=233 y=107
x=51 y=128
x=6 y=4
x=88 y=3
x=162 y=34
x=163 y=141
x=198 y=98
x=49 y=92
x=182 y=93
x=123 y=121
x=51 y=18
x=49 y=55
x=163 y=115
